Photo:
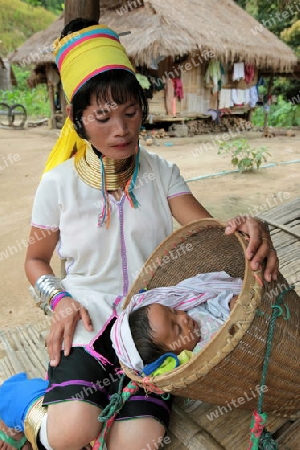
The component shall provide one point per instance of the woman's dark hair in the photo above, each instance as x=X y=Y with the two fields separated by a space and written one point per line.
x=142 y=336
x=118 y=85
x=77 y=25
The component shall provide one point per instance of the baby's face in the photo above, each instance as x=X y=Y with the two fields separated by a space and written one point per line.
x=173 y=329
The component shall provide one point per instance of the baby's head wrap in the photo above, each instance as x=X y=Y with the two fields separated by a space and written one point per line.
x=79 y=57
x=178 y=297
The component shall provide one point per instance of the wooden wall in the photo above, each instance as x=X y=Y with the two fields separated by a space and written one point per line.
x=198 y=96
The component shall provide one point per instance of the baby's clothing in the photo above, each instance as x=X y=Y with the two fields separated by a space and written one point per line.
x=167 y=362
x=209 y=326
x=210 y=316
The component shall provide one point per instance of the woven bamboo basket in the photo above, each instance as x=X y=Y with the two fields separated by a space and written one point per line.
x=228 y=370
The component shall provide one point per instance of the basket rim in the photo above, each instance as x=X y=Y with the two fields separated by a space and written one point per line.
x=229 y=335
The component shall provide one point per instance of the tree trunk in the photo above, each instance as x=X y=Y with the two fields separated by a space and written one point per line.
x=86 y=9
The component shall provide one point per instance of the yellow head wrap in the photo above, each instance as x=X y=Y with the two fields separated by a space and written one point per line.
x=79 y=57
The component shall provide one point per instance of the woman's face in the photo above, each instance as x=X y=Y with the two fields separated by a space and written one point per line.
x=113 y=129
x=173 y=329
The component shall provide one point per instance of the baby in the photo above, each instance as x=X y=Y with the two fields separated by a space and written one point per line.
x=174 y=320
x=157 y=329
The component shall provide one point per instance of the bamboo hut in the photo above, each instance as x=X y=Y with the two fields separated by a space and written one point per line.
x=173 y=40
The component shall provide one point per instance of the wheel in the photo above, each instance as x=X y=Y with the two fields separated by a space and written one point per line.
x=18 y=115
x=5 y=118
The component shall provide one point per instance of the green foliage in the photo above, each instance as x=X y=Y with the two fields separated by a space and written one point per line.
x=243 y=156
x=19 y=21
x=21 y=76
x=284 y=114
x=282 y=17
x=291 y=36
x=56 y=6
x=277 y=14
x=241 y=3
x=35 y=101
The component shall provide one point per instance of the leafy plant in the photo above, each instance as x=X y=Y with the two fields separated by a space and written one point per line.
x=282 y=114
x=243 y=156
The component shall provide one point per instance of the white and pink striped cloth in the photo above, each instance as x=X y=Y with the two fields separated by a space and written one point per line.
x=216 y=287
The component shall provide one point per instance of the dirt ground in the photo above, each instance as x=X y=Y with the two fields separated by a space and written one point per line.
x=24 y=152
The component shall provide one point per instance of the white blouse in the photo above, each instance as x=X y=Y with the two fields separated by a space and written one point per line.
x=102 y=263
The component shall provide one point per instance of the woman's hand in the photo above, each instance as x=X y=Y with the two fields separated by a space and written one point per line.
x=260 y=245
x=65 y=317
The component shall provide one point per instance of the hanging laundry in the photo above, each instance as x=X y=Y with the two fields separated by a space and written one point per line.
x=241 y=96
x=238 y=96
x=156 y=61
x=178 y=88
x=261 y=81
x=225 y=99
x=157 y=83
x=169 y=95
x=213 y=113
x=149 y=92
x=146 y=84
x=249 y=73
x=253 y=96
x=174 y=106
x=238 y=71
x=213 y=72
x=246 y=96
x=222 y=81
x=143 y=80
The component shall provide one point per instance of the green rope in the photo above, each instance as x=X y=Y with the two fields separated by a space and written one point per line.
x=275 y=314
x=260 y=438
x=115 y=403
x=109 y=413
x=266 y=442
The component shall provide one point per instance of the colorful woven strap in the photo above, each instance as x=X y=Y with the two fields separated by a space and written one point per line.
x=109 y=413
x=10 y=441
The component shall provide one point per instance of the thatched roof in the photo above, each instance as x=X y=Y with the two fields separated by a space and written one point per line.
x=36 y=49
x=172 y=27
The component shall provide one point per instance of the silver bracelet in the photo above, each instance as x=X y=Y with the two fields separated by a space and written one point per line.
x=47 y=286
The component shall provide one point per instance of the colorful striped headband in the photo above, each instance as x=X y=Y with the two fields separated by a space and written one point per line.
x=83 y=54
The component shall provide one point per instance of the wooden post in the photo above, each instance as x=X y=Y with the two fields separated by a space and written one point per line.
x=266 y=111
x=86 y=9
x=52 y=123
